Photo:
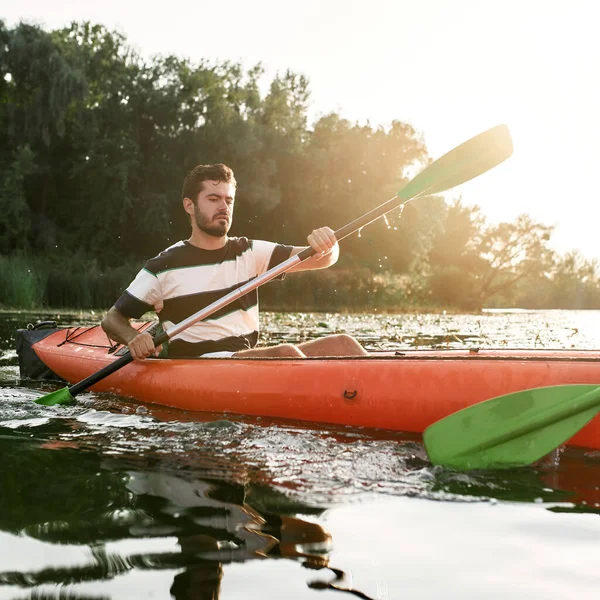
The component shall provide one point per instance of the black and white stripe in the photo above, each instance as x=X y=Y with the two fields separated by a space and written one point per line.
x=184 y=279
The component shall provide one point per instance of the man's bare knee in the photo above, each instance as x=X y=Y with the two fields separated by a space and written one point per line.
x=288 y=350
x=281 y=351
x=339 y=344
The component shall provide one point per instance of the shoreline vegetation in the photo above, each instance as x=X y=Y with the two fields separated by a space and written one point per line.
x=95 y=141
x=53 y=285
x=43 y=285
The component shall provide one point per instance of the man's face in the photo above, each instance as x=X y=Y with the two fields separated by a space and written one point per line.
x=213 y=209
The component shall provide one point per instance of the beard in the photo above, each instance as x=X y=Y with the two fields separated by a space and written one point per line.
x=210 y=226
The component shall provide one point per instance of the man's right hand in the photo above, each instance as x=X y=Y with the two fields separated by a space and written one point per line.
x=117 y=327
x=142 y=346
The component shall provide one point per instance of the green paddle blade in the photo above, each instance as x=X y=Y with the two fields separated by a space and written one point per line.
x=59 y=397
x=513 y=430
x=463 y=163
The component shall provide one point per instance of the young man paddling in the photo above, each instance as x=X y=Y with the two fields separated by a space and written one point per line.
x=192 y=274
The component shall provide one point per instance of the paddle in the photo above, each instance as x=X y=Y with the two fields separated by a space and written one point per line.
x=513 y=430
x=472 y=158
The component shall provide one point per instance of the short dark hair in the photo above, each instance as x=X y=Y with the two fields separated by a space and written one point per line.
x=193 y=183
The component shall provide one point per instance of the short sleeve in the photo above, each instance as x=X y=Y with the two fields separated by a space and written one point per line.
x=268 y=255
x=142 y=295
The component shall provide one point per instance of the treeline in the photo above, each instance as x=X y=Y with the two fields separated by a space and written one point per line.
x=95 y=141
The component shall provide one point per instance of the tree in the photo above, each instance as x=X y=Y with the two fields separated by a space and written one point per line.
x=454 y=259
x=15 y=217
x=343 y=171
x=473 y=263
x=39 y=84
x=512 y=252
x=574 y=282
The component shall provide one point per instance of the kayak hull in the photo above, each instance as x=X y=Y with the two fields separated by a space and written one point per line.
x=405 y=391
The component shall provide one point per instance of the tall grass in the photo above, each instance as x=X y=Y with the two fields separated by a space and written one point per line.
x=339 y=290
x=77 y=283
x=22 y=282
x=67 y=282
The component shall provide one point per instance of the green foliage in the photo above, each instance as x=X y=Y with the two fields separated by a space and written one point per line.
x=572 y=282
x=345 y=170
x=112 y=136
x=15 y=221
x=453 y=286
x=473 y=264
x=60 y=282
x=82 y=284
x=22 y=283
x=336 y=289
x=95 y=142
x=511 y=252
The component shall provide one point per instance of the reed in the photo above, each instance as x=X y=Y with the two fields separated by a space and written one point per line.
x=338 y=290
x=78 y=283
x=60 y=282
x=22 y=282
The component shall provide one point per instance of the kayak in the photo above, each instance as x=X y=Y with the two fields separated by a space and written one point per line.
x=400 y=391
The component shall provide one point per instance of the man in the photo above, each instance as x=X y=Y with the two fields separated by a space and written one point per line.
x=193 y=273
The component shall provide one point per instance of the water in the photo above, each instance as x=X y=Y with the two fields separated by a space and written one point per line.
x=112 y=499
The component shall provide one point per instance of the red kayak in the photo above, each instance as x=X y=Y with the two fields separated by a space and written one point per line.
x=402 y=391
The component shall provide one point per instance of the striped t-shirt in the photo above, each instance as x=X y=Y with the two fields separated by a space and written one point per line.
x=184 y=279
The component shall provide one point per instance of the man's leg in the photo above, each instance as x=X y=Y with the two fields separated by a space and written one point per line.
x=333 y=345
x=281 y=351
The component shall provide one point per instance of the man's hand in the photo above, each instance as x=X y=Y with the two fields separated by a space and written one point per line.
x=325 y=247
x=118 y=328
x=322 y=240
x=142 y=346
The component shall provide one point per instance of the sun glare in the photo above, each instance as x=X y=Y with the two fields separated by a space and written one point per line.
x=537 y=74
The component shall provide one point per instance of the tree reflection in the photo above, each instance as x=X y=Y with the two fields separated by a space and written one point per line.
x=57 y=493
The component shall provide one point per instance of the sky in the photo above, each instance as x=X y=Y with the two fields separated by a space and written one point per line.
x=450 y=68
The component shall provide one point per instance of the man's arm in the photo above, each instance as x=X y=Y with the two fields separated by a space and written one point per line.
x=326 y=248
x=117 y=327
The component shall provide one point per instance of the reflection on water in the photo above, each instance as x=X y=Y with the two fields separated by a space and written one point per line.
x=218 y=493
x=111 y=499
x=574 y=481
x=57 y=493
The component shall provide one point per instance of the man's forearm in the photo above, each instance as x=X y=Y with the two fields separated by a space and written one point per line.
x=117 y=327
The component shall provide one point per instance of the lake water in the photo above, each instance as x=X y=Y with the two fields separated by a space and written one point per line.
x=112 y=499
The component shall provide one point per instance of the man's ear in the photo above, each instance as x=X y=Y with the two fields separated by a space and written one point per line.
x=188 y=206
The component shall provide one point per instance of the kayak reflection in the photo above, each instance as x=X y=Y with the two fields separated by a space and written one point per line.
x=569 y=476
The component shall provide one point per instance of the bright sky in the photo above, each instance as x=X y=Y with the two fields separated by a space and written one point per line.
x=451 y=68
